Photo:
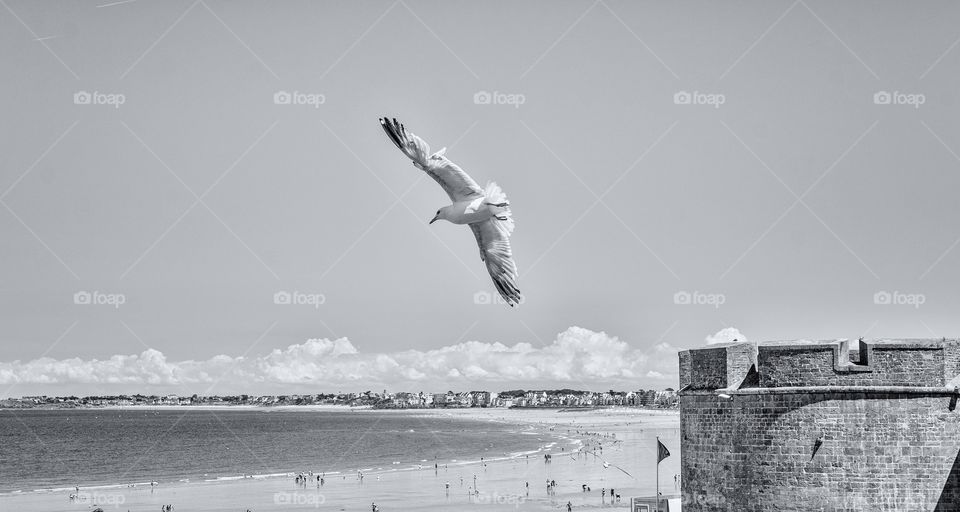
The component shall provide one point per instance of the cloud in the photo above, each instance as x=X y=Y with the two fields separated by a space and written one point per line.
x=666 y=348
x=727 y=335
x=578 y=356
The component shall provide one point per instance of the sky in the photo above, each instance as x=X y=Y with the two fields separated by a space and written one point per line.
x=678 y=172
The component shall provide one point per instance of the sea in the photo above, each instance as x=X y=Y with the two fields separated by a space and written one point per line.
x=55 y=450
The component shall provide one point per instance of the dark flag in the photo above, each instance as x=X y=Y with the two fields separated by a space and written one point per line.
x=662 y=451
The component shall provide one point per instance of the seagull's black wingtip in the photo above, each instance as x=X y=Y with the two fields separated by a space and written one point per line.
x=391 y=132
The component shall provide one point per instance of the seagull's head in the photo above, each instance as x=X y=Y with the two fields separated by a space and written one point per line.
x=441 y=214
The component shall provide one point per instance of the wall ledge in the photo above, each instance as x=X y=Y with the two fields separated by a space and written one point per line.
x=810 y=390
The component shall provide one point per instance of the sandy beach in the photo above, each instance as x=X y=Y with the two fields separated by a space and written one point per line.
x=593 y=448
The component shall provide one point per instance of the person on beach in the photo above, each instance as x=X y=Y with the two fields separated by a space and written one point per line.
x=373 y=506
x=569 y=506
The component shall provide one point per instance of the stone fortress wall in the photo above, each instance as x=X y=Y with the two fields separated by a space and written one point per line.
x=829 y=425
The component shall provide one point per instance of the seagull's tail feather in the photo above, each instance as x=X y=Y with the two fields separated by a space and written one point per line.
x=495 y=195
x=411 y=145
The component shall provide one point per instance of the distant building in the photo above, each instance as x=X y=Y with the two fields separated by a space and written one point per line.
x=480 y=398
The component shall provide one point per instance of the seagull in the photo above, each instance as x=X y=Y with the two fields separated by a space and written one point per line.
x=485 y=210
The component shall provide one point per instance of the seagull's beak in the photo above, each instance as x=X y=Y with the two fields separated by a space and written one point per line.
x=434 y=219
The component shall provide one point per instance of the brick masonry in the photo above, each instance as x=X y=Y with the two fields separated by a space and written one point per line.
x=821 y=427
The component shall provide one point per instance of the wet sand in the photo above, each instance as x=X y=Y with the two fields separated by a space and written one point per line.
x=627 y=437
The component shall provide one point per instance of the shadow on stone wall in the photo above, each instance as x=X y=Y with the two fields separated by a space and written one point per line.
x=950 y=497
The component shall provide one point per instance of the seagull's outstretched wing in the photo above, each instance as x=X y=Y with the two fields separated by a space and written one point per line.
x=494 y=241
x=456 y=183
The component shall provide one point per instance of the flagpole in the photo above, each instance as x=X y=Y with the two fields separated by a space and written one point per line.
x=658 y=473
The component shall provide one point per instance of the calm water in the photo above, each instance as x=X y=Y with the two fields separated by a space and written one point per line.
x=48 y=449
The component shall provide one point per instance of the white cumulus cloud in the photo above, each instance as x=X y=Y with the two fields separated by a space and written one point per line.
x=578 y=356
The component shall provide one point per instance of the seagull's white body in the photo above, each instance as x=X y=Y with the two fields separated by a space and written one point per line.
x=471 y=212
x=485 y=210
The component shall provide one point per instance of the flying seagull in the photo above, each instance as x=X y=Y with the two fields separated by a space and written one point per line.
x=486 y=210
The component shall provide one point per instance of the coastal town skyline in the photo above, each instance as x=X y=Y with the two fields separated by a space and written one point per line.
x=663 y=398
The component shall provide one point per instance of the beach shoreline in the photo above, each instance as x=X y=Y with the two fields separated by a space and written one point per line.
x=559 y=433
